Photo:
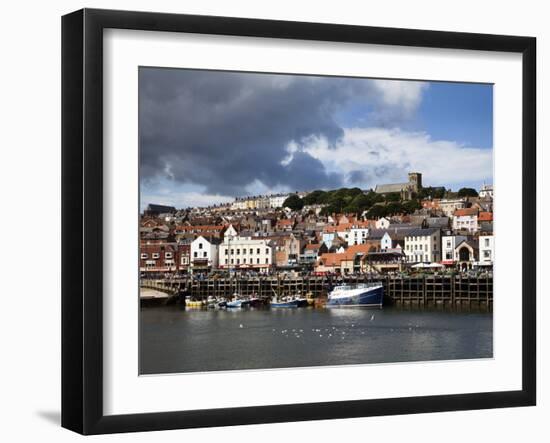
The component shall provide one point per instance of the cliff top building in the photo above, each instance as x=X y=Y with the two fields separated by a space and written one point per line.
x=405 y=189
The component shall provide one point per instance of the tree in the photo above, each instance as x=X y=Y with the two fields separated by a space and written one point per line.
x=377 y=211
x=362 y=202
x=293 y=202
x=394 y=208
x=392 y=197
x=410 y=206
x=315 y=198
x=467 y=192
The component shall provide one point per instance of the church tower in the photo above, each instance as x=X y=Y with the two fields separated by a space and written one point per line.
x=415 y=181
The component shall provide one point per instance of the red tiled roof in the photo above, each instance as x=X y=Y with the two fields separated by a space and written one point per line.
x=313 y=246
x=200 y=228
x=465 y=211
x=485 y=216
x=334 y=258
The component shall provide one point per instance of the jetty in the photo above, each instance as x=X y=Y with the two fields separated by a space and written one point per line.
x=424 y=290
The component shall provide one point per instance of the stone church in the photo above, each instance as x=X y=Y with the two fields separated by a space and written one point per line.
x=405 y=189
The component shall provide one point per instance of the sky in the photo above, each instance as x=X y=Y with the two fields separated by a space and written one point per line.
x=207 y=137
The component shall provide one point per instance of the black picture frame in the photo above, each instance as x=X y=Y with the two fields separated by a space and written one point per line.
x=82 y=218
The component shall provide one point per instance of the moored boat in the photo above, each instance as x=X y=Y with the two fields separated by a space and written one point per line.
x=360 y=295
x=291 y=303
x=238 y=302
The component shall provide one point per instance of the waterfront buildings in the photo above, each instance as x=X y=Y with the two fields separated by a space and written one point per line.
x=204 y=254
x=260 y=236
x=247 y=253
x=423 y=245
x=486 y=250
x=467 y=254
x=448 y=247
x=157 y=258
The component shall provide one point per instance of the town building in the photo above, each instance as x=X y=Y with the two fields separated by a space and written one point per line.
x=358 y=233
x=467 y=254
x=486 y=250
x=448 y=247
x=465 y=220
x=158 y=258
x=448 y=207
x=277 y=200
x=347 y=262
x=247 y=253
x=184 y=257
x=311 y=253
x=204 y=253
x=196 y=230
x=423 y=245
x=486 y=191
x=287 y=249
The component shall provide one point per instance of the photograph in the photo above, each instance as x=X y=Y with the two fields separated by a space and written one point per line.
x=298 y=220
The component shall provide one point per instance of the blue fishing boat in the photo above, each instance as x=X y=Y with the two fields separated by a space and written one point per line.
x=238 y=302
x=360 y=295
x=289 y=303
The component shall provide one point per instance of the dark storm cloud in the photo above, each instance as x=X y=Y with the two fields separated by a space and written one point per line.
x=227 y=130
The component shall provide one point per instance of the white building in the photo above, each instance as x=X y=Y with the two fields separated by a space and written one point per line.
x=486 y=191
x=204 y=253
x=423 y=245
x=277 y=200
x=466 y=220
x=382 y=223
x=448 y=207
x=486 y=249
x=246 y=253
x=239 y=204
x=448 y=245
x=358 y=235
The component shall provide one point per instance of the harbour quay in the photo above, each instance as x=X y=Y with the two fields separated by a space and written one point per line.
x=420 y=290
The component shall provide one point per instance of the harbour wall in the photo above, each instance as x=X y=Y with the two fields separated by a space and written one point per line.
x=445 y=290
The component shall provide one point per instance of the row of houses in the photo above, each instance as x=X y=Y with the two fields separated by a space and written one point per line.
x=346 y=248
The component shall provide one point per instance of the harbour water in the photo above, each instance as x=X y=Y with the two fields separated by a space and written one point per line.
x=175 y=340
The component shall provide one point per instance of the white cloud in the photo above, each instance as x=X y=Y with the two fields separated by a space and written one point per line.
x=368 y=156
x=406 y=95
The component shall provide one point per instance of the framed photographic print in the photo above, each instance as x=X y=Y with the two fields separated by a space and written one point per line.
x=268 y=221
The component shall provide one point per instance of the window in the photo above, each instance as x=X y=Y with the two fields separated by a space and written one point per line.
x=144 y=256
x=226 y=251
x=168 y=255
x=156 y=255
x=232 y=251
x=232 y=261
x=486 y=254
x=258 y=261
x=267 y=261
x=238 y=261
x=426 y=257
x=258 y=251
x=486 y=242
x=195 y=254
x=448 y=243
x=225 y=261
x=251 y=251
x=267 y=251
x=204 y=254
x=244 y=261
x=200 y=245
x=238 y=252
